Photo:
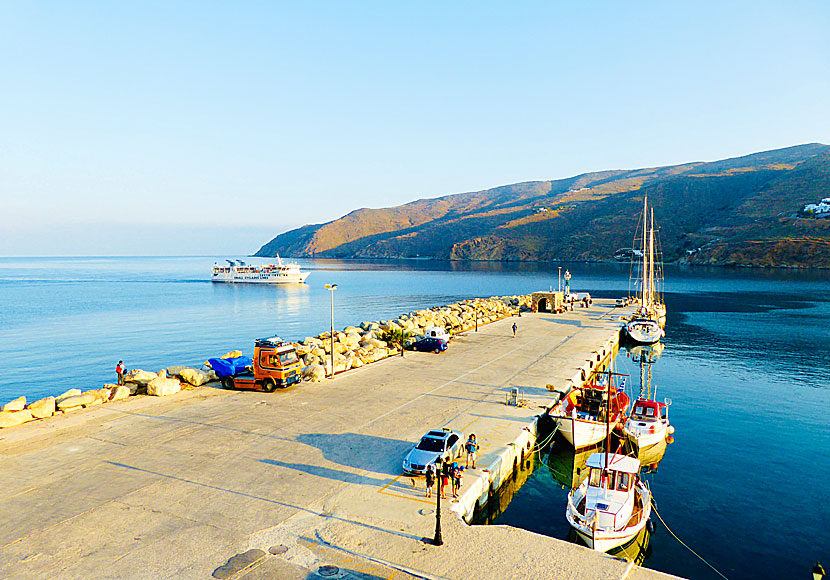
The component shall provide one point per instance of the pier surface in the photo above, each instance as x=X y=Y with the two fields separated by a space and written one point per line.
x=301 y=483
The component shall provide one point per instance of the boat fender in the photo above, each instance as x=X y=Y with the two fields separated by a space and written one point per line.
x=650 y=526
x=670 y=430
x=670 y=439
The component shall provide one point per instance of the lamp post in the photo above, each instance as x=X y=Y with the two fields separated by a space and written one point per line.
x=331 y=288
x=476 y=319
x=438 y=540
x=559 y=287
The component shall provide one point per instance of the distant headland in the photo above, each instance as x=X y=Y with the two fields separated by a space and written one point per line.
x=744 y=211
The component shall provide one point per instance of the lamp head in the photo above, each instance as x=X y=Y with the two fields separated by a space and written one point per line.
x=331 y=286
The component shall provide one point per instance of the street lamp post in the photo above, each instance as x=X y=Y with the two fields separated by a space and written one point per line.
x=331 y=288
x=559 y=287
x=438 y=540
x=476 y=319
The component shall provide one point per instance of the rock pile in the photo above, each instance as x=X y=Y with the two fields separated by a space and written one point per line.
x=354 y=347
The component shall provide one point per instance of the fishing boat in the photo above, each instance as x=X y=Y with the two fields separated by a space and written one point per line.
x=648 y=423
x=238 y=271
x=611 y=508
x=647 y=326
x=581 y=415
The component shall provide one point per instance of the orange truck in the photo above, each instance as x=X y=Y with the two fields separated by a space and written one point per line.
x=275 y=364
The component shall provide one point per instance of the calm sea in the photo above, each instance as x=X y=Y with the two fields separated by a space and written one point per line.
x=746 y=363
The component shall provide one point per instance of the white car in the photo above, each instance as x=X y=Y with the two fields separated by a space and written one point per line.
x=446 y=444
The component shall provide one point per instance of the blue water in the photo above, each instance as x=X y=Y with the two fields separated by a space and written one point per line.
x=746 y=362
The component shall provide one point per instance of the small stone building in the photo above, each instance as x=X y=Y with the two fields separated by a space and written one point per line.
x=547 y=302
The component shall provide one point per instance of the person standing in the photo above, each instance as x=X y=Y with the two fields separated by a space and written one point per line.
x=445 y=479
x=515 y=328
x=471 y=447
x=456 y=479
x=120 y=370
x=430 y=478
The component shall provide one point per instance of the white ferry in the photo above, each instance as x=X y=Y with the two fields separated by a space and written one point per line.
x=239 y=271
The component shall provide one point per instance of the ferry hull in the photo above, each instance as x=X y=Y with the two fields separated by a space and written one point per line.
x=261 y=278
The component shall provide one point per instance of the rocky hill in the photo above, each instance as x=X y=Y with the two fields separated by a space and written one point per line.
x=744 y=211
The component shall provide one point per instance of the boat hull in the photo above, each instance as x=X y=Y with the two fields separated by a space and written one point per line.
x=644 y=331
x=581 y=433
x=237 y=278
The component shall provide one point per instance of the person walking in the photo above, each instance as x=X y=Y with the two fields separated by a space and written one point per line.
x=120 y=370
x=430 y=478
x=471 y=447
x=515 y=328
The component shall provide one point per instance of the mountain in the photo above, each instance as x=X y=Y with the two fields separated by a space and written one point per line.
x=743 y=211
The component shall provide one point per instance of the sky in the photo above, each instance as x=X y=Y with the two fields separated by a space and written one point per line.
x=182 y=128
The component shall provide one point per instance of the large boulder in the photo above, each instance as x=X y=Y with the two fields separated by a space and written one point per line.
x=102 y=394
x=42 y=408
x=12 y=418
x=76 y=401
x=160 y=387
x=120 y=392
x=194 y=377
x=140 y=377
x=67 y=394
x=17 y=404
x=352 y=339
x=314 y=373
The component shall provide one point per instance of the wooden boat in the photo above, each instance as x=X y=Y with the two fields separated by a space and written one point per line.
x=581 y=415
x=648 y=423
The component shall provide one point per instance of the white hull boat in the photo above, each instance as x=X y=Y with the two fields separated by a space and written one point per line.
x=644 y=330
x=581 y=416
x=612 y=506
x=648 y=423
x=238 y=271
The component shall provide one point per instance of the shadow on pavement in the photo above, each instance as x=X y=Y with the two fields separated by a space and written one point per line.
x=376 y=454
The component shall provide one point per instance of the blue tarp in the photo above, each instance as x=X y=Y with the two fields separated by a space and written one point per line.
x=228 y=367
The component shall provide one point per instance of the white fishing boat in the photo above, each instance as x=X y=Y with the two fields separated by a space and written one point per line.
x=610 y=509
x=581 y=415
x=647 y=326
x=648 y=423
x=238 y=271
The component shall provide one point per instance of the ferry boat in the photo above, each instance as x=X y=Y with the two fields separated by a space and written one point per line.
x=610 y=509
x=238 y=271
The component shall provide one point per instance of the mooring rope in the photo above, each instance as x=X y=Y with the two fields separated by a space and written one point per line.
x=682 y=543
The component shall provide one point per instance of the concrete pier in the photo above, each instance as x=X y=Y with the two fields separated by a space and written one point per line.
x=301 y=483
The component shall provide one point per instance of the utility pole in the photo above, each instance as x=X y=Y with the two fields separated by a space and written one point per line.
x=332 y=288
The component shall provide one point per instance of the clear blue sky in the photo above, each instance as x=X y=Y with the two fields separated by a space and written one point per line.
x=204 y=127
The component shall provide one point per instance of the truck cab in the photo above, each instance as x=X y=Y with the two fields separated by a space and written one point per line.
x=276 y=364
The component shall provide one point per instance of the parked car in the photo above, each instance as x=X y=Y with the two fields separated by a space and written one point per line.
x=446 y=444
x=429 y=344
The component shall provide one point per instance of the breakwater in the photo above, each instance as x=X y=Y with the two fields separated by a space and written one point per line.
x=353 y=347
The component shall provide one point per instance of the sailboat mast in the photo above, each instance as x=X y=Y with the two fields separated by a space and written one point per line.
x=645 y=254
x=651 y=293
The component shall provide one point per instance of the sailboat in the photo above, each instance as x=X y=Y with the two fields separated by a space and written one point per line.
x=646 y=327
x=610 y=509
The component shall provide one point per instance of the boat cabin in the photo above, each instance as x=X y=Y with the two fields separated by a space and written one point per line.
x=646 y=410
x=611 y=496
